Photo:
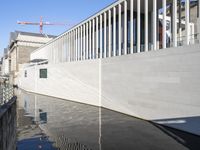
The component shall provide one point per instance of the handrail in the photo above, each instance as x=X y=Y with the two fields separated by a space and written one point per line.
x=6 y=93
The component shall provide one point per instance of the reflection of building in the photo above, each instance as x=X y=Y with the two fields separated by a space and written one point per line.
x=113 y=59
x=19 y=49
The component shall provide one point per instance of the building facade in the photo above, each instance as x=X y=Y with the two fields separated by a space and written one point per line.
x=19 y=49
x=138 y=57
x=126 y=27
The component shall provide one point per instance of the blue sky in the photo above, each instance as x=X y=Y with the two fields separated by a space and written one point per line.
x=65 y=11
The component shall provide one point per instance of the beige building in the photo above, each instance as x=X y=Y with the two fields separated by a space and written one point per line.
x=18 y=52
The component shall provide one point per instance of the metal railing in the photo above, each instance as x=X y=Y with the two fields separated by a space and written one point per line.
x=6 y=93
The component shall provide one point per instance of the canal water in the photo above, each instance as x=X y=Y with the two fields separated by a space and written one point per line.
x=49 y=123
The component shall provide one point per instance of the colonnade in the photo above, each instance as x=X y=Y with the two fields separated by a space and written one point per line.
x=125 y=27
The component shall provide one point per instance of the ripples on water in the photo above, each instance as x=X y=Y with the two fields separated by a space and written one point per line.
x=74 y=126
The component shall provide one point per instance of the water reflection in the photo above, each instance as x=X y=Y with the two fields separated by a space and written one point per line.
x=82 y=127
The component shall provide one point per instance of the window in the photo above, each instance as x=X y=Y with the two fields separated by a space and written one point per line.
x=25 y=73
x=43 y=73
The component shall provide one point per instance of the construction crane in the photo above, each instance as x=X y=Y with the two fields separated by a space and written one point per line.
x=41 y=24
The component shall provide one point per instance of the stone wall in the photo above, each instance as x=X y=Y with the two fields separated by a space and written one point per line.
x=20 y=55
x=8 y=125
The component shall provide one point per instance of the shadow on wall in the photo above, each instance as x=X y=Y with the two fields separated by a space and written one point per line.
x=189 y=124
x=192 y=142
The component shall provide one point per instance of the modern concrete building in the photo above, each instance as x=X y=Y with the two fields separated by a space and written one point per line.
x=126 y=27
x=138 y=57
x=19 y=49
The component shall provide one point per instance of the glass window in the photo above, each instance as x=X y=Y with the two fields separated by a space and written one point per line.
x=43 y=73
x=25 y=73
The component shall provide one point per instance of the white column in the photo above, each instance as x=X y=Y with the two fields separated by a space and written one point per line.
x=87 y=55
x=90 y=39
x=174 y=23
x=78 y=43
x=74 y=45
x=72 y=41
x=84 y=42
x=97 y=37
x=119 y=29
x=138 y=26
x=109 y=33
x=187 y=21
x=93 y=39
x=164 y=24
x=131 y=24
x=81 y=43
x=61 y=48
x=69 y=48
x=125 y=27
x=105 y=34
x=154 y=24
x=54 y=52
x=71 y=44
x=146 y=25
x=114 y=31
x=65 y=48
x=76 y=36
x=101 y=47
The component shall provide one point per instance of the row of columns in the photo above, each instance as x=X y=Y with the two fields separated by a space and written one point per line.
x=106 y=36
x=97 y=38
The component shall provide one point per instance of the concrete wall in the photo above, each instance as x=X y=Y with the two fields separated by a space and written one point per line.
x=156 y=79
x=72 y=81
x=8 y=126
x=19 y=55
x=24 y=54
x=163 y=86
x=40 y=54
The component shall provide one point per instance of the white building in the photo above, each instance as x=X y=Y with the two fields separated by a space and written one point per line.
x=138 y=57
x=100 y=35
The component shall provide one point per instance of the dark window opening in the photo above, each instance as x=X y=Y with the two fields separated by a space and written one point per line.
x=25 y=73
x=43 y=73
